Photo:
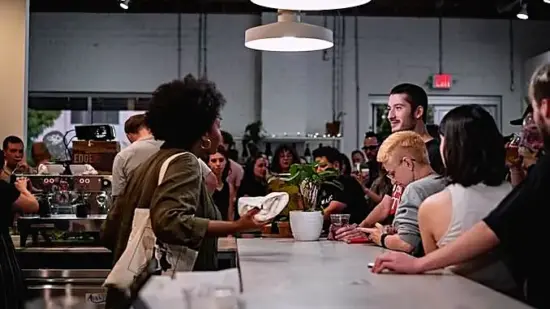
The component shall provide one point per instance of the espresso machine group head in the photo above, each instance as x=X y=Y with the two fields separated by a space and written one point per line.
x=68 y=204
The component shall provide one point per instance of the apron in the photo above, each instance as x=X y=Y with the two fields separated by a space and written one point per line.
x=12 y=288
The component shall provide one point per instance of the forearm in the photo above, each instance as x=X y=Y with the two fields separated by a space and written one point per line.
x=478 y=240
x=27 y=203
x=373 y=196
x=232 y=202
x=394 y=242
x=222 y=228
x=517 y=175
x=333 y=208
x=376 y=215
x=231 y=211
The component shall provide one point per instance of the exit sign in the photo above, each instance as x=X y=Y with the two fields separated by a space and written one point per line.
x=442 y=81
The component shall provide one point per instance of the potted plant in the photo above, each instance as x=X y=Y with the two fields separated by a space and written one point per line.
x=333 y=128
x=307 y=224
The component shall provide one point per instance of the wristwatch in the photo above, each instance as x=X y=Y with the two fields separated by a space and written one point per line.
x=383 y=240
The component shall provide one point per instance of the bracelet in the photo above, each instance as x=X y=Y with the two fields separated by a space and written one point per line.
x=383 y=240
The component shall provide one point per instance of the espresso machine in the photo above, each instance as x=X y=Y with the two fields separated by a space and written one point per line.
x=72 y=209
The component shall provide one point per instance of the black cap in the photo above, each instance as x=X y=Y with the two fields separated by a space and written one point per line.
x=519 y=122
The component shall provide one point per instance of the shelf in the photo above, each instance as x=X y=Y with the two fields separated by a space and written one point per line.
x=297 y=139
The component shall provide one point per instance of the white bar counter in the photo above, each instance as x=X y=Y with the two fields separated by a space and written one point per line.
x=282 y=273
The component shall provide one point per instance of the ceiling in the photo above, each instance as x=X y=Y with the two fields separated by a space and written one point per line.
x=412 y=8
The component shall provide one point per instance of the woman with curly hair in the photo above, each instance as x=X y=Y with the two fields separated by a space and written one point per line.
x=185 y=114
x=283 y=159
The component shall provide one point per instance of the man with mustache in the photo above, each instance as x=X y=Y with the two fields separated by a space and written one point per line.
x=517 y=225
x=14 y=151
x=408 y=111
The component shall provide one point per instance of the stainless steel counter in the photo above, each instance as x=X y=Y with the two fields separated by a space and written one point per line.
x=67 y=249
x=83 y=285
x=281 y=273
x=79 y=272
x=225 y=245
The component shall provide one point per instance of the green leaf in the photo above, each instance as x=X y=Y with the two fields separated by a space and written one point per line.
x=294 y=169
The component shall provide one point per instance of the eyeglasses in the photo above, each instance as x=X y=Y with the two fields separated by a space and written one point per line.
x=391 y=173
x=372 y=147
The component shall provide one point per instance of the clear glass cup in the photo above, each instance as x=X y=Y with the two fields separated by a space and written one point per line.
x=338 y=221
x=512 y=149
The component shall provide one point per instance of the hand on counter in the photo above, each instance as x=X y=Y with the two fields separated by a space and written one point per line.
x=398 y=262
x=347 y=232
x=374 y=234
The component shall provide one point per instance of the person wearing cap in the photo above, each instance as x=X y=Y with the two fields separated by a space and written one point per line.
x=378 y=185
x=370 y=149
x=519 y=121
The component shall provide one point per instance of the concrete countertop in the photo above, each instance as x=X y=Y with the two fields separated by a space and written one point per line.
x=282 y=273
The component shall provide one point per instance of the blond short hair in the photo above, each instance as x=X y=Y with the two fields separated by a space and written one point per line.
x=403 y=143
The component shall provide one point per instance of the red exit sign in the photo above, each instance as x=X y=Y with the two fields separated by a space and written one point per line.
x=442 y=81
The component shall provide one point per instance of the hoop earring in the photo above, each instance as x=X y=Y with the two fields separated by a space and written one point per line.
x=209 y=144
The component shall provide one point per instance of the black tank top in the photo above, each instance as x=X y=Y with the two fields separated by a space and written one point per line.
x=221 y=199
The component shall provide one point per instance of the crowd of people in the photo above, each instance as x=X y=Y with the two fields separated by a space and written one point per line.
x=423 y=192
x=455 y=194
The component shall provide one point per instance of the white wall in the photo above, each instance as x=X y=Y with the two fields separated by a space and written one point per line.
x=134 y=53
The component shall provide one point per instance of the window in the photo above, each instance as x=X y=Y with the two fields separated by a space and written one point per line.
x=107 y=117
x=79 y=117
x=115 y=111
x=49 y=118
x=51 y=115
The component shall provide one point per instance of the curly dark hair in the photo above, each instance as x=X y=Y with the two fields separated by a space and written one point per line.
x=332 y=154
x=275 y=163
x=182 y=111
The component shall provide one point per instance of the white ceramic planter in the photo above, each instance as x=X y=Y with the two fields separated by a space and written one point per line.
x=306 y=226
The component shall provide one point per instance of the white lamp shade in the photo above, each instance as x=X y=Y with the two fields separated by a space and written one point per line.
x=289 y=37
x=310 y=5
x=522 y=16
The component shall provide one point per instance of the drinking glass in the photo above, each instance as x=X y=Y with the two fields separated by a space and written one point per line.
x=512 y=150
x=337 y=221
x=365 y=174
